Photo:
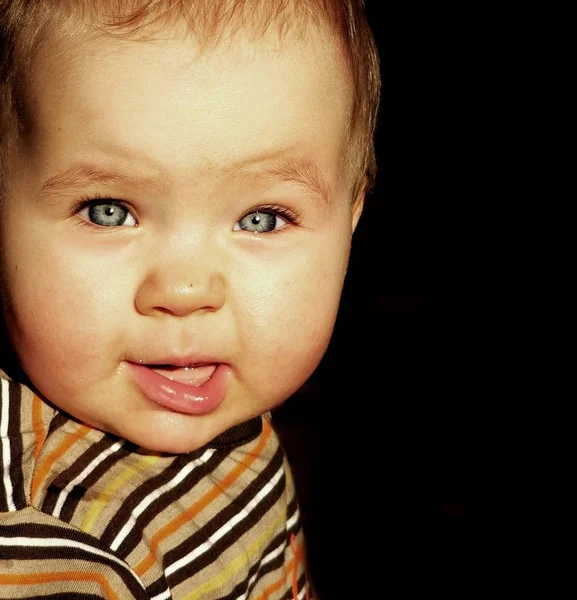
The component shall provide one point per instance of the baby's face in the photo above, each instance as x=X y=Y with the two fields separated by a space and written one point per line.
x=176 y=231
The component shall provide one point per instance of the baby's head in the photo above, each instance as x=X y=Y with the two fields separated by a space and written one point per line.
x=180 y=183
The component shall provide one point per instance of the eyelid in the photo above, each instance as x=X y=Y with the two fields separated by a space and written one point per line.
x=294 y=217
x=291 y=216
x=93 y=199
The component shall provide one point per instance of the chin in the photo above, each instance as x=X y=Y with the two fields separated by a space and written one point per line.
x=166 y=445
x=169 y=438
x=172 y=447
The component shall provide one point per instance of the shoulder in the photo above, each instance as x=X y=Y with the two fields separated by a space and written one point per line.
x=24 y=423
x=43 y=556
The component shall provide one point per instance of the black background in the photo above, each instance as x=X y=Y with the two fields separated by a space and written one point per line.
x=376 y=436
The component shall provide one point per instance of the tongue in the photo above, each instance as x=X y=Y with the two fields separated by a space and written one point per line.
x=196 y=376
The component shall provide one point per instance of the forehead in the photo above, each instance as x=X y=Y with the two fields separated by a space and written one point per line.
x=183 y=103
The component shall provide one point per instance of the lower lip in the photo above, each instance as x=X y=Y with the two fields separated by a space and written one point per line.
x=180 y=397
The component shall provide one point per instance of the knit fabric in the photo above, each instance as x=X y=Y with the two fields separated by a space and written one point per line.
x=86 y=515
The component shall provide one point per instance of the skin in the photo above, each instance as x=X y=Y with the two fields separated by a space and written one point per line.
x=201 y=129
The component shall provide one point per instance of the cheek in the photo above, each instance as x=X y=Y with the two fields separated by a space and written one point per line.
x=57 y=314
x=288 y=323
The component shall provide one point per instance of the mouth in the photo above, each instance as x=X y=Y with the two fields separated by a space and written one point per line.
x=195 y=375
x=193 y=389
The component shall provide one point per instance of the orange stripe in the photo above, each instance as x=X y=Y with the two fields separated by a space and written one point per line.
x=38 y=425
x=291 y=566
x=42 y=470
x=298 y=556
x=37 y=578
x=273 y=587
x=183 y=518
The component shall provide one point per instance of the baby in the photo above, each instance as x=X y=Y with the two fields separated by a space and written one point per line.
x=180 y=181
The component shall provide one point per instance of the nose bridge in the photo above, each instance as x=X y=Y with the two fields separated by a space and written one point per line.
x=184 y=275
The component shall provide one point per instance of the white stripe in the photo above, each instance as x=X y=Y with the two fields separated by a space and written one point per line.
x=6 y=447
x=146 y=502
x=64 y=493
x=66 y=543
x=292 y=521
x=268 y=558
x=267 y=489
x=164 y=596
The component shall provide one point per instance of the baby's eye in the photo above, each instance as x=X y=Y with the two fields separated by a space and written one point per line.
x=260 y=221
x=108 y=214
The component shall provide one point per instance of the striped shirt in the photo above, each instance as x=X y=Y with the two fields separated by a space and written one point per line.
x=86 y=515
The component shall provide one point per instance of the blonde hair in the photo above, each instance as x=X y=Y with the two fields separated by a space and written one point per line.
x=26 y=24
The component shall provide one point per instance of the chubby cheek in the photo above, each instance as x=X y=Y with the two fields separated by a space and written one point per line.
x=59 y=318
x=288 y=323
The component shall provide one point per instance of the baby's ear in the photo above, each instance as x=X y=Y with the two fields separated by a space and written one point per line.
x=358 y=205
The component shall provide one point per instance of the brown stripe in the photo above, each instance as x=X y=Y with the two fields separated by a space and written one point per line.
x=69 y=474
x=39 y=578
x=191 y=512
x=230 y=538
x=40 y=431
x=16 y=445
x=43 y=469
x=95 y=556
x=171 y=497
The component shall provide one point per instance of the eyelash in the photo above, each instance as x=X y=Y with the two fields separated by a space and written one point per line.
x=92 y=200
x=292 y=217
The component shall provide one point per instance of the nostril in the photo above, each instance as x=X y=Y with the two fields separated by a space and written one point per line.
x=163 y=309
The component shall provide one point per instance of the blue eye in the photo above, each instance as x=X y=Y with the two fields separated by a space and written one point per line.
x=259 y=222
x=108 y=214
x=266 y=219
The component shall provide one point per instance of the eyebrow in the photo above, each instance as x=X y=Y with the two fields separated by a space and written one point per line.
x=291 y=169
x=81 y=174
x=300 y=171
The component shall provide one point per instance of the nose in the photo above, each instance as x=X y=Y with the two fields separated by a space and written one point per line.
x=180 y=289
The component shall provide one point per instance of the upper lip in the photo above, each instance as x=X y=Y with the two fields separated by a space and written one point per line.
x=192 y=360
